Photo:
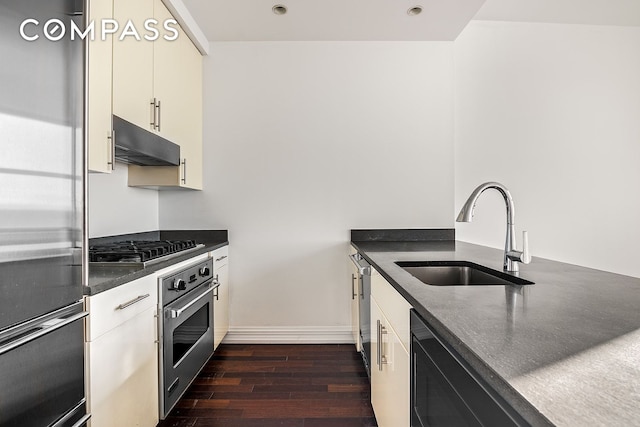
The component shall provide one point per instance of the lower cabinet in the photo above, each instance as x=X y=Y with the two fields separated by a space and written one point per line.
x=390 y=374
x=355 y=301
x=220 y=295
x=123 y=359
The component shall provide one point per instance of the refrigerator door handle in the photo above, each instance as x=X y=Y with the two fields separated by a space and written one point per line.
x=42 y=329
x=73 y=413
x=82 y=421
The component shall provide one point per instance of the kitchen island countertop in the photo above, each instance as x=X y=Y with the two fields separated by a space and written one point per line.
x=563 y=351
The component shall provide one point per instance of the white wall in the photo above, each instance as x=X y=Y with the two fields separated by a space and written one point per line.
x=552 y=111
x=114 y=208
x=304 y=141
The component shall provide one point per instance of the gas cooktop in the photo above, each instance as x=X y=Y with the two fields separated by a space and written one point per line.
x=140 y=252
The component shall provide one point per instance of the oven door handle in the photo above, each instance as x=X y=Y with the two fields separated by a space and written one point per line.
x=176 y=312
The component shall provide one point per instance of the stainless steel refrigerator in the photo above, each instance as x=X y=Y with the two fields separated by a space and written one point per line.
x=41 y=217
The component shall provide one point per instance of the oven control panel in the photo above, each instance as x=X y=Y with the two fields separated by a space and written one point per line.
x=185 y=280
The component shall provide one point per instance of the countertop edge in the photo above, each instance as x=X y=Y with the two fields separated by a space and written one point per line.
x=108 y=284
x=526 y=409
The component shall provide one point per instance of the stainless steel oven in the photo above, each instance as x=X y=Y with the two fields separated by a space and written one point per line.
x=186 y=329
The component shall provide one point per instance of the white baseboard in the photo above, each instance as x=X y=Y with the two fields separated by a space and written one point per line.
x=289 y=335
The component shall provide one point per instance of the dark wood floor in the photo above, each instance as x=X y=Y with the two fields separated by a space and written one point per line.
x=278 y=385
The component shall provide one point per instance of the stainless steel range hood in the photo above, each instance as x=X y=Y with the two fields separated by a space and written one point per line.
x=138 y=146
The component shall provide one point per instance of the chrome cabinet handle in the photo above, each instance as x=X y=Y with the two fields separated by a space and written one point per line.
x=216 y=288
x=379 y=337
x=174 y=313
x=184 y=170
x=382 y=359
x=154 y=114
x=216 y=284
x=159 y=115
x=221 y=258
x=43 y=329
x=112 y=140
x=353 y=286
x=133 y=301
x=155 y=106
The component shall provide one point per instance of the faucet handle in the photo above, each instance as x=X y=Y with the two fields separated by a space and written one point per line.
x=526 y=256
x=520 y=256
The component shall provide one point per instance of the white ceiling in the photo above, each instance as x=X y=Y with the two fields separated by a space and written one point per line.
x=310 y=20
x=243 y=20
x=593 y=12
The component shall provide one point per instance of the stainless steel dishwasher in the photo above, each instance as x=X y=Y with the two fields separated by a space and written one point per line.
x=364 y=279
x=446 y=391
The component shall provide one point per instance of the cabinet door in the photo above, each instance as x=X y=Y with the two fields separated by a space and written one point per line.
x=178 y=86
x=393 y=305
x=133 y=64
x=99 y=63
x=123 y=374
x=221 y=295
x=390 y=376
x=355 y=302
x=111 y=308
x=221 y=306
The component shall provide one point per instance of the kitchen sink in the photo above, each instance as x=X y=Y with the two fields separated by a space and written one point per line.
x=458 y=273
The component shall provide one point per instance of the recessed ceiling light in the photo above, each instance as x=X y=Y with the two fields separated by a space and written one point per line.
x=415 y=10
x=279 y=9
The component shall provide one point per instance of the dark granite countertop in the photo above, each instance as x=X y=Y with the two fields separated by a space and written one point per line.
x=103 y=278
x=564 y=351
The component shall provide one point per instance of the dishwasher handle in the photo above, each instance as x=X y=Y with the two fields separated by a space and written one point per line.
x=364 y=270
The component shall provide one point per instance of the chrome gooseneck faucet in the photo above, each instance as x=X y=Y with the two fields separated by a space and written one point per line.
x=511 y=255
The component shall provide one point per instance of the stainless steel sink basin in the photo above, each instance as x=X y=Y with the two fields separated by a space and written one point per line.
x=458 y=273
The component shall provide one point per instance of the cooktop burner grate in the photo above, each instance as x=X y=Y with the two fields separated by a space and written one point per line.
x=138 y=251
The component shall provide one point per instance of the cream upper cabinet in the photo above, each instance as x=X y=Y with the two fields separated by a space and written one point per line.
x=390 y=374
x=178 y=86
x=177 y=95
x=99 y=75
x=133 y=64
x=154 y=84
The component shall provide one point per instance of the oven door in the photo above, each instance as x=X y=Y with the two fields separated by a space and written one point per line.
x=187 y=342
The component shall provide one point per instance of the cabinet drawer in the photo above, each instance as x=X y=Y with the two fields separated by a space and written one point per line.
x=111 y=308
x=393 y=305
x=220 y=257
